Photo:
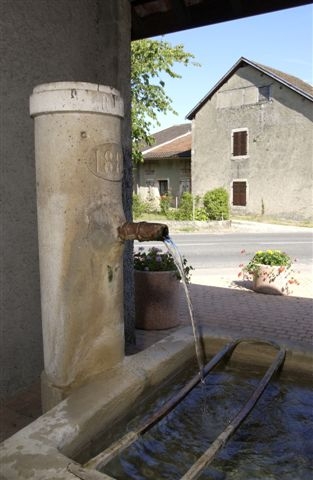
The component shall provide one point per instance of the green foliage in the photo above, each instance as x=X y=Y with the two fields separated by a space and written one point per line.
x=154 y=260
x=139 y=207
x=150 y=59
x=188 y=203
x=216 y=204
x=189 y=209
x=268 y=257
x=282 y=268
x=165 y=203
x=184 y=212
x=200 y=212
x=201 y=215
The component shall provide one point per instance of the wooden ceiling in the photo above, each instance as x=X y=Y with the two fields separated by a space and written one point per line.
x=157 y=17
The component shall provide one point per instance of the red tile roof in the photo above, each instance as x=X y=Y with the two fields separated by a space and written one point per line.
x=173 y=142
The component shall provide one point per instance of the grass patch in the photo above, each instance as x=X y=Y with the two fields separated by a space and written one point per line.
x=148 y=217
x=187 y=229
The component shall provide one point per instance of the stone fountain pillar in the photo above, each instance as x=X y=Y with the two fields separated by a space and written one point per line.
x=79 y=200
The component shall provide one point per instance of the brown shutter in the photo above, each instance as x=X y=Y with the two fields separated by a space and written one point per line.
x=239 y=193
x=240 y=143
x=243 y=143
x=235 y=144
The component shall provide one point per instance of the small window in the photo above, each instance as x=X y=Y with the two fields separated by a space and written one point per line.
x=264 y=93
x=240 y=143
x=163 y=187
x=240 y=193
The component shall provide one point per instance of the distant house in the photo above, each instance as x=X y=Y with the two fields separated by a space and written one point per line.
x=166 y=169
x=252 y=134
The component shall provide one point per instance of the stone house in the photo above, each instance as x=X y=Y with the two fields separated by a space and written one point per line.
x=252 y=134
x=166 y=169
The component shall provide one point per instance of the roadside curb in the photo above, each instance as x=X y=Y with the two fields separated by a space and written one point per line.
x=196 y=226
x=242 y=225
x=228 y=226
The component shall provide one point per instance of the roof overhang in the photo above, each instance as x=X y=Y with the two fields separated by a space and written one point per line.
x=157 y=17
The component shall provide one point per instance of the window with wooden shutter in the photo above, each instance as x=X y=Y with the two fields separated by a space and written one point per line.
x=240 y=143
x=240 y=193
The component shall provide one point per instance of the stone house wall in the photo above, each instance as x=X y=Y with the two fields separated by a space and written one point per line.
x=277 y=168
x=175 y=171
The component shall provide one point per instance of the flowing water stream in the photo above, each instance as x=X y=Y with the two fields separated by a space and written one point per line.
x=173 y=250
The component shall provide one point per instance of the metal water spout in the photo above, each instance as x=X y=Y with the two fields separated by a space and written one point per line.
x=143 y=231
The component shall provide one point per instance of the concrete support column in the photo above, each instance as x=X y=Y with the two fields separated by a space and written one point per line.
x=79 y=168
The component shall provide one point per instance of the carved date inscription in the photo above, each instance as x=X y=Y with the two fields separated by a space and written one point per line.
x=106 y=161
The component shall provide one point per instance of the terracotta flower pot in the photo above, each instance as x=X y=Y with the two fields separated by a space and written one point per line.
x=156 y=300
x=271 y=279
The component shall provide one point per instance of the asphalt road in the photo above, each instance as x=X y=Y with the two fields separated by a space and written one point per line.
x=216 y=250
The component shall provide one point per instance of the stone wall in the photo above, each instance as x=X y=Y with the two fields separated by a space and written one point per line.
x=46 y=41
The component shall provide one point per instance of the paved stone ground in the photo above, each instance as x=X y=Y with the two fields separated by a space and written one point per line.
x=238 y=311
x=230 y=308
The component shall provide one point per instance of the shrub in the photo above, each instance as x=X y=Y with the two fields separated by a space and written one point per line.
x=188 y=203
x=216 y=204
x=139 y=207
x=200 y=214
x=184 y=211
x=165 y=203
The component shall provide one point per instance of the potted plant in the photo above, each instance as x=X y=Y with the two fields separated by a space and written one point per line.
x=157 y=289
x=271 y=272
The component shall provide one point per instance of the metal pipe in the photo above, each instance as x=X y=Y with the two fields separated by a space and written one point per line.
x=143 y=231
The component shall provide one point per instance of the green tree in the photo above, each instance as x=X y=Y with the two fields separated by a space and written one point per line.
x=150 y=59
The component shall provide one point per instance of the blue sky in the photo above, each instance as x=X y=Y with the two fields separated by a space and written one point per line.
x=281 y=40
